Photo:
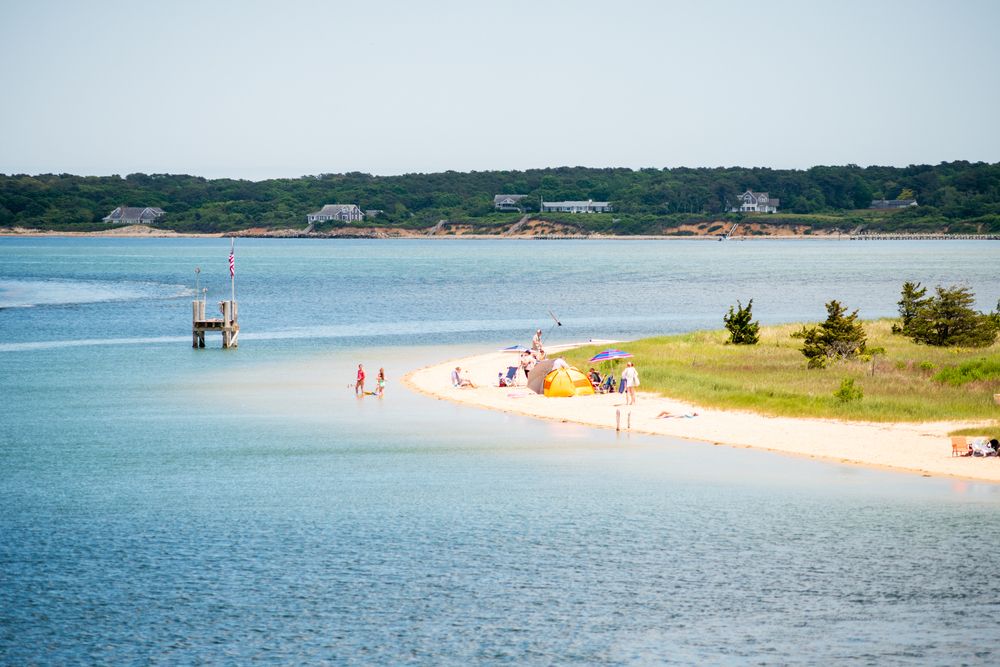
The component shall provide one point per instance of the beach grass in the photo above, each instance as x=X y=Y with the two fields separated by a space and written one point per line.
x=772 y=378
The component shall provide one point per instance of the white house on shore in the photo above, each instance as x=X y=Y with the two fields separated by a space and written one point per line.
x=341 y=212
x=589 y=206
x=134 y=215
x=756 y=202
x=507 y=202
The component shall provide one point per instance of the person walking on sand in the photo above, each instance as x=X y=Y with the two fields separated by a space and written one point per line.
x=380 y=383
x=631 y=377
x=536 y=342
x=359 y=385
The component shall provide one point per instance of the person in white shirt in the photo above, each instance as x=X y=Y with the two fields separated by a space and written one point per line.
x=631 y=377
x=536 y=342
x=459 y=379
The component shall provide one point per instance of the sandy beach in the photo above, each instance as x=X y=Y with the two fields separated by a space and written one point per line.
x=922 y=448
x=128 y=231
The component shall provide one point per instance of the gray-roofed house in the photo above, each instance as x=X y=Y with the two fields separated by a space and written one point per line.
x=589 y=206
x=507 y=202
x=756 y=202
x=342 y=212
x=134 y=215
x=893 y=203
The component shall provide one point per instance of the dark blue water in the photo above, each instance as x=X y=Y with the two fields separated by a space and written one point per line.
x=166 y=505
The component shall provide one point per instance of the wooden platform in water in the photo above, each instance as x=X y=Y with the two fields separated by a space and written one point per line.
x=228 y=325
x=209 y=325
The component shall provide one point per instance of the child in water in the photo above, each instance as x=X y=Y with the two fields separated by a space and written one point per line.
x=380 y=383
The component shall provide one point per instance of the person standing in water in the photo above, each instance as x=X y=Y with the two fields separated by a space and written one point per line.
x=380 y=383
x=359 y=385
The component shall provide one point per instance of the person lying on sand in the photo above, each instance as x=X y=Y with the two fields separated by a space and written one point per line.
x=669 y=415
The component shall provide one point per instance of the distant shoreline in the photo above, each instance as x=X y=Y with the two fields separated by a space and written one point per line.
x=132 y=231
x=383 y=233
x=145 y=231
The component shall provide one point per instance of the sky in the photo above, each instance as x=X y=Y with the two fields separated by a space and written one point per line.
x=256 y=89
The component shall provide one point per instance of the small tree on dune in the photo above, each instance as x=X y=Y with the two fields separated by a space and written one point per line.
x=840 y=337
x=912 y=299
x=948 y=318
x=742 y=329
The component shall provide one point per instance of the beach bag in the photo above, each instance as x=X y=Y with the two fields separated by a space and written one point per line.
x=621 y=386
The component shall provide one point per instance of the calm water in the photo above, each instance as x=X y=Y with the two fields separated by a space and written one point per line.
x=170 y=506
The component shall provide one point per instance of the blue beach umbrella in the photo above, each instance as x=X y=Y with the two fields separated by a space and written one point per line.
x=608 y=355
x=514 y=348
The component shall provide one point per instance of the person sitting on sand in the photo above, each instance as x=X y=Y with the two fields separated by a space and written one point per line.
x=458 y=379
x=559 y=363
x=595 y=377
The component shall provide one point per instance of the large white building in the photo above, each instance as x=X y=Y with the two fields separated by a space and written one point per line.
x=756 y=202
x=589 y=206
x=342 y=212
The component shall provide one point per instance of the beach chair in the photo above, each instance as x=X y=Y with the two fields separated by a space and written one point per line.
x=608 y=386
x=510 y=379
x=960 y=446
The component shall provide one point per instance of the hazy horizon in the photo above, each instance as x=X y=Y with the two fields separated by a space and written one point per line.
x=257 y=90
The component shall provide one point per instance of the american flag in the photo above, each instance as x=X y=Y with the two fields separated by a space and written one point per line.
x=232 y=263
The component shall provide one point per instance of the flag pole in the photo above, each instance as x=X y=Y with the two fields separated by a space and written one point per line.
x=232 y=270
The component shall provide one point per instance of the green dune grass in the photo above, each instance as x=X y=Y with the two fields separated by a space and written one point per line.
x=772 y=378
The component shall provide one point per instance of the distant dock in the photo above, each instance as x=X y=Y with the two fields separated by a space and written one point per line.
x=925 y=237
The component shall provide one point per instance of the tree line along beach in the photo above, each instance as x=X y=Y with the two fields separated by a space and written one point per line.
x=950 y=198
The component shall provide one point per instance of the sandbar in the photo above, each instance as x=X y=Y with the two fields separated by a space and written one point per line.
x=915 y=447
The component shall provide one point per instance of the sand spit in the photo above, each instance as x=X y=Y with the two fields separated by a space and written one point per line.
x=922 y=448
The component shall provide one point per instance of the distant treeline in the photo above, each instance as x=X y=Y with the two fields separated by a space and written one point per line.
x=954 y=196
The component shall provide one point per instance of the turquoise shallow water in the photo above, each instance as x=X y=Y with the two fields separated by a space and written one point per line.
x=167 y=505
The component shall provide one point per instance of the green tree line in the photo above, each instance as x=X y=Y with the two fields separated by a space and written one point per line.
x=960 y=197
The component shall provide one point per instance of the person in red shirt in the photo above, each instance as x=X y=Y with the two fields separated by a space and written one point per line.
x=359 y=386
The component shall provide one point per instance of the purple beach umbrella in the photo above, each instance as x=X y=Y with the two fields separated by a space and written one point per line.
x=608 y=355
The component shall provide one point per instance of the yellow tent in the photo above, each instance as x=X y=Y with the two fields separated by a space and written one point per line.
x=567 y=382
